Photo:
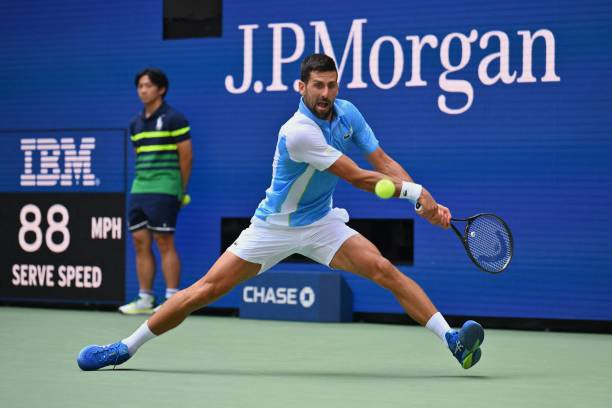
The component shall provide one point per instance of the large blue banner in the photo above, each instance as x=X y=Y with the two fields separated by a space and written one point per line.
x=494 y=107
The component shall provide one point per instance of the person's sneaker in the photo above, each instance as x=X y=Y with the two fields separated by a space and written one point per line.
x=139 y=306
x=95 y=357
x=465 y=343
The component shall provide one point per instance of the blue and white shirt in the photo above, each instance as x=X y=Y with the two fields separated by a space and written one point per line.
x=301 y=190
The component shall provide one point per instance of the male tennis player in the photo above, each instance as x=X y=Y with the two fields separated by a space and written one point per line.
x=296 y=216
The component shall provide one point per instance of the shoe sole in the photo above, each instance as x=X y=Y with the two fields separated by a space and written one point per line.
x=137 y=312
x=471 y=336
x=471 y=359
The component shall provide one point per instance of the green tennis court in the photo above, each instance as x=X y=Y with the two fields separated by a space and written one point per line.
x=229 y=362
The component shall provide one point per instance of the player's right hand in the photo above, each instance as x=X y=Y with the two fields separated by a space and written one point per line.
x=432 y=211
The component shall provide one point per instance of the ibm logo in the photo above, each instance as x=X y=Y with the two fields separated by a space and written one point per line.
x=76 y=169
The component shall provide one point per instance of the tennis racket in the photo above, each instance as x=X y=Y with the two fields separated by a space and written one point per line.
x=487 y=239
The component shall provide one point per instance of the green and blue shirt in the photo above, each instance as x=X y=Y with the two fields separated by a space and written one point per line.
x=155 y=139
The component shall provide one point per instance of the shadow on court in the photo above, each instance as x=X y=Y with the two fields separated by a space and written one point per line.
x=313 y=374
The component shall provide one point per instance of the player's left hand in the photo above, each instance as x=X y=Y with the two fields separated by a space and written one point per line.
x=444 y=215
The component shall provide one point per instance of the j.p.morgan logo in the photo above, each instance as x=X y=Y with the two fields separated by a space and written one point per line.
x=279 y=296
x=369 y=63
x=48 y=162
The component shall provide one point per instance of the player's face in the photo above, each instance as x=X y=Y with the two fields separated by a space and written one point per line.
x=148 y=92
x=320 y=93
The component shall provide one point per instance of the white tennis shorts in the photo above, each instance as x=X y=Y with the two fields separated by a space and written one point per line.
x=267 y=245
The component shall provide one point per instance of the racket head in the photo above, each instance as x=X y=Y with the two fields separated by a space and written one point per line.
x=488 y=242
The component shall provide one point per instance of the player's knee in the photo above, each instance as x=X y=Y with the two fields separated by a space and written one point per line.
x=383 y=272
x=142 y=244
x=165 y=242
x=197 y=296
x=204 y=293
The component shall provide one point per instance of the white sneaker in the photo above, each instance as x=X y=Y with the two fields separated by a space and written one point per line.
x=139 y=306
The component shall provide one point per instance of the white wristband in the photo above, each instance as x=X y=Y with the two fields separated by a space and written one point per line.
x=410 y=191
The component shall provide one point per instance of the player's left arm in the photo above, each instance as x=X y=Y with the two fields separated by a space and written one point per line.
x=383 y=163
x=348 y=170
x=179 y=126
x=386 y=167
x=185 y=153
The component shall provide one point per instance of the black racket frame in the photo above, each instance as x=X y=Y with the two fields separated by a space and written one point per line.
x=463 y=238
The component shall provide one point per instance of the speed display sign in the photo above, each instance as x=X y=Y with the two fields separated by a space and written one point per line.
x=63 y=216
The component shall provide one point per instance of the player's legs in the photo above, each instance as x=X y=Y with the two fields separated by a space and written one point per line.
x=170 y=263
x=335 y=244
x=255 y=250
x=224 y=275
x=358 y=255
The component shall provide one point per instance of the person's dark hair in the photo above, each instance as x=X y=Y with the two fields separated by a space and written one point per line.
x=156 y=76
x=316 y=62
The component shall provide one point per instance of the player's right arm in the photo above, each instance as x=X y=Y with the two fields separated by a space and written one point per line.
x=347 y=169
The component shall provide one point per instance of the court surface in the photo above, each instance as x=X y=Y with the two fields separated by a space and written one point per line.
x=228 y=362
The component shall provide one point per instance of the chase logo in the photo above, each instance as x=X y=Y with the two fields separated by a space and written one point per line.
x=307 y=297
x=279 y=296
x=48 y=162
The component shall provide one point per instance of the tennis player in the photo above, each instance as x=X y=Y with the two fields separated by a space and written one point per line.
x=297 y=216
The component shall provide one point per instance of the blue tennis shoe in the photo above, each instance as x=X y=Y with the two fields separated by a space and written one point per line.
x=95 y=357
x=465 y=343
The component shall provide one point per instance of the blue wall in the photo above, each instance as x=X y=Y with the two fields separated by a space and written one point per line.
x=537 y=153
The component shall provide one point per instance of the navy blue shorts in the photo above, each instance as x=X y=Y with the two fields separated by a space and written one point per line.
x=157 y=212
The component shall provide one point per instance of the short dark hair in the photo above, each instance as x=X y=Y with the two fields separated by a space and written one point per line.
x=156 y=76
x=316 y=62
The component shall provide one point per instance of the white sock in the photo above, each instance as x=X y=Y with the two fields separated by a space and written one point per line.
x=170 y=292
x=138 y=338
x=146 y=296
x=437 y=324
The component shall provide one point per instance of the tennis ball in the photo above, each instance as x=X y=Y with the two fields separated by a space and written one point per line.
x=384 y=188
x=186 y=199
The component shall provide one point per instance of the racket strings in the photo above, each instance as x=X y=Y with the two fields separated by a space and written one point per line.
x=490 y=243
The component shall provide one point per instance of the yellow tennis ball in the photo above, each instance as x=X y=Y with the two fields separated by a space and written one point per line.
x=384 y=188
x=186 y=199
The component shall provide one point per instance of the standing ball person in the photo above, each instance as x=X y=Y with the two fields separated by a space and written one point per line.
x=297 y=216
x=162 y=141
